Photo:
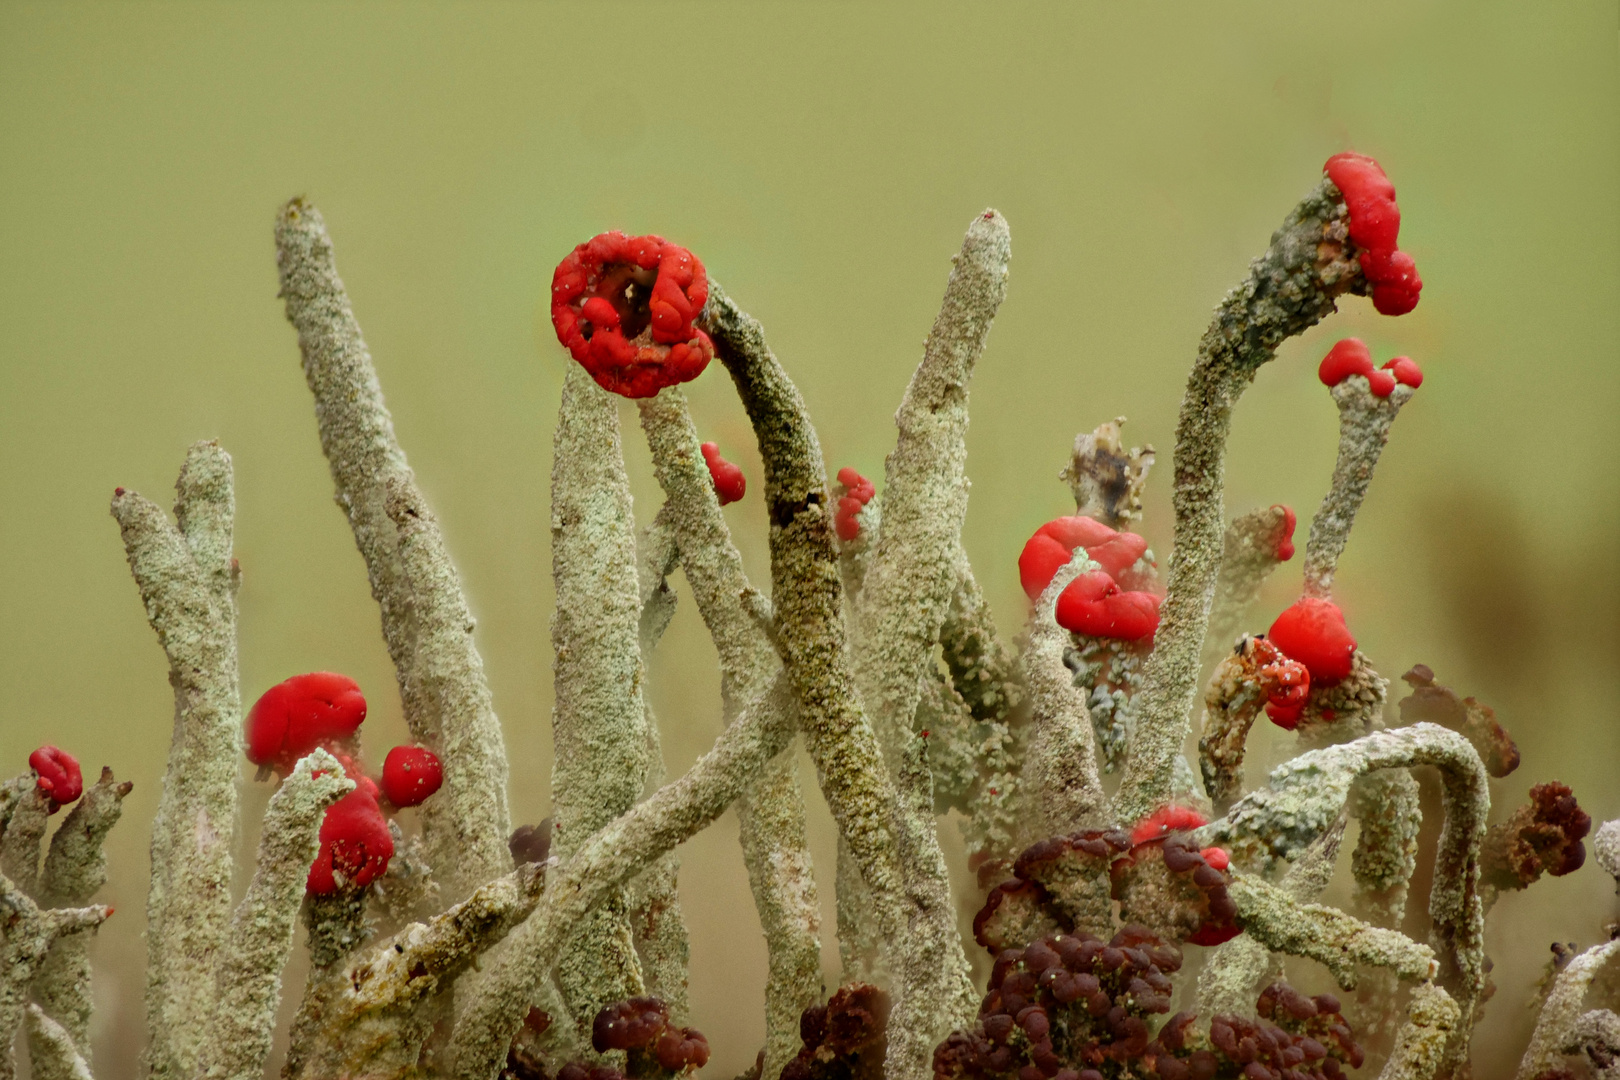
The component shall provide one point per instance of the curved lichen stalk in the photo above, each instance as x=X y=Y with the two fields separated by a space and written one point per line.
x=771 y=812
x=1289 y=289
x=1306 y=795
x=808 y=602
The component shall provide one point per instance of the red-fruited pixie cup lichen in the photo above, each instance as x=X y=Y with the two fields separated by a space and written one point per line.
x=57 y=775
x=1205 y=868
x=411 y=774
x=1053 y=544
x=321 y=709
x=729 y=483
x=1375 y=227
x=1352 y=357
x=1092 y=604
x=1313 y=632
x=859 y=492
x=355 y=843
x=624 y=306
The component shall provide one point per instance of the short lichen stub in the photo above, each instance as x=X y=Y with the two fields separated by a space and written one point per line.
x=445 y=944
x=623 y=306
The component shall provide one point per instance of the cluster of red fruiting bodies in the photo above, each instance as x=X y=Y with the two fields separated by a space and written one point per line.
x=1102 y=603
x=1375 y=226
x=624 y=307
x=858 y=492
x=1352 y=357
x=729 y=483
x=324 y=710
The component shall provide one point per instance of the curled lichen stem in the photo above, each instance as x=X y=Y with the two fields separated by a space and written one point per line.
x=1289 y=289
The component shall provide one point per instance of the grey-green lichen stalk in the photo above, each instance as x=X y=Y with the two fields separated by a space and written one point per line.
x=1364 y=423
x=1289 y=289
x=598 y=717
x=187 y=581
x=424 y=616
x=771 y=812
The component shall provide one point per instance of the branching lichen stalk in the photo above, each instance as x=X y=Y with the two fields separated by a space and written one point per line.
x=1289 y=289
x=598 y=720
x=261 y=933
x=75 y=867
x=1364 y=422
x=29 y=934
x=357 y=437
x=187 y=582
x=52 y=1052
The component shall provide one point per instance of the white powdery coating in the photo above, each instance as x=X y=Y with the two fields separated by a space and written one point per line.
x=1562 y=1010
x=598 y=720
x=1289 y=289
x=909 y=581
x=469 y=814
x=1062 y=758
x=1308 y=793
x=808 y=602
x=466 y=823
x=187 y=582
x=771 y=812
x=1235 y=972
x=1330 y=937
x=1606 y=846
x=52 y=1054
x=75 y=867
x=1431 y=1026
x=261 y=934
x=1364 y=422
x=30 y=933
x=22 y=830
x=373 y=1014
x=608 y=859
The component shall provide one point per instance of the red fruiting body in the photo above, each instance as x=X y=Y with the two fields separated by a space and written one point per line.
x=624 y=307
x=410 y=774
x=1053 y=544
x=1406 y=371
x=1375 y=226
x=859 y=492
x=296 y=716
x=1164 y=821
x=58 y=776
x=1093 y=605
x=1314 y=633
x=1285 y=542
x=1287 y=684
x=355 y=843
x=1348 y=357
x=729 y=483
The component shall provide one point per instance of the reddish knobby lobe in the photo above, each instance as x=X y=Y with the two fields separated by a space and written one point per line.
x=296 y=716
x=1406 y=371
x=1375 y=226
x=1314 y=633
x=410 y=774
x=1092 y=604
x=1285 y=542
x=1164 y=821
x=355 y=842
x=859 y=492
x=729 y=483
x=58 y=776
x=1053 y=544
x=624 y=307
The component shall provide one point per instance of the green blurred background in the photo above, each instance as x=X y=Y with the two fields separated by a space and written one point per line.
x=823 y=159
